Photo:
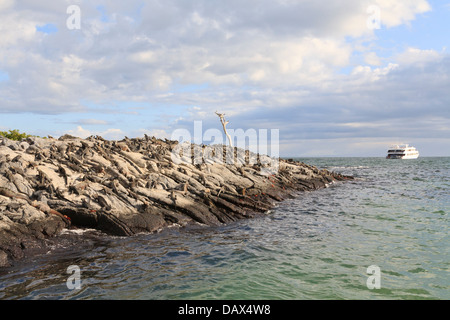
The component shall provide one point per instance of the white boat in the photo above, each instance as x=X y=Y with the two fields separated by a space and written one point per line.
x=402 y=152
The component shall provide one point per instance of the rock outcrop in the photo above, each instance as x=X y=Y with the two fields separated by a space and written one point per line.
x=130 y=186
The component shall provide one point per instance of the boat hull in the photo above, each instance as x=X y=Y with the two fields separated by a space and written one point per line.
x=402 y=157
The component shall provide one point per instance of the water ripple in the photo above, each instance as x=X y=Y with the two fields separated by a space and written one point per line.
x=316 y=246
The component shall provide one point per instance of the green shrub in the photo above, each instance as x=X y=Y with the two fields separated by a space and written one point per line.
x=14 y=135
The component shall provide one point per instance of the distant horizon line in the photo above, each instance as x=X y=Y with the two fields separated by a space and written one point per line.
x=306 y=157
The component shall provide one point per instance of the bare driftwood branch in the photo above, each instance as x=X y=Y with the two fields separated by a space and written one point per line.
x=224 y=125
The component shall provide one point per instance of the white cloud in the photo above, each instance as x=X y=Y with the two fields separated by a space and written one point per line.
x=416 y=56
x=366 y=73
x=158 y=133
x=80 y=132
x=6 y=4
x=132 y=52
x=147 y=56
x=394 y=13
x=265 y=62
x=111 y=133
x=92 y=122
x=372 y=58
x=15 y=30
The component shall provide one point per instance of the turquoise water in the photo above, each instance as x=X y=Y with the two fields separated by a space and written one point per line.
x=395 y=215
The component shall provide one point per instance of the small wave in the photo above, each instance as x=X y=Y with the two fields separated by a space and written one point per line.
x=349 y=167
x=77 y=231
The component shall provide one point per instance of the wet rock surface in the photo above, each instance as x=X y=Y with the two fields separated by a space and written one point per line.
x=131 y=186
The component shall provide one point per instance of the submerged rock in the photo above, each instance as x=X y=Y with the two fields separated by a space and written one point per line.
x=132 y=186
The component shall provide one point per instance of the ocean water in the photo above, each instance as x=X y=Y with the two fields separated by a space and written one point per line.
x=318 y=245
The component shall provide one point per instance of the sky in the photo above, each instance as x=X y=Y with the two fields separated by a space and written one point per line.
x=336 y=78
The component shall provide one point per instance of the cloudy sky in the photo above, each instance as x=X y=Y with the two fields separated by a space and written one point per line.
x=337 y=78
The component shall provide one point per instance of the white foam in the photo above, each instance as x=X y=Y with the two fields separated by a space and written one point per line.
x=77 y=231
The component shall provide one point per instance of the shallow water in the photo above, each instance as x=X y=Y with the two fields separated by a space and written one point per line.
x=395 y=215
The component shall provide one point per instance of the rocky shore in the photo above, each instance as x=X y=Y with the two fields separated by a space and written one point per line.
x=131 y=186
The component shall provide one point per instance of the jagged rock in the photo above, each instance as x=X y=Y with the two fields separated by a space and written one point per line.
x=3 y=259
x=132 y=186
